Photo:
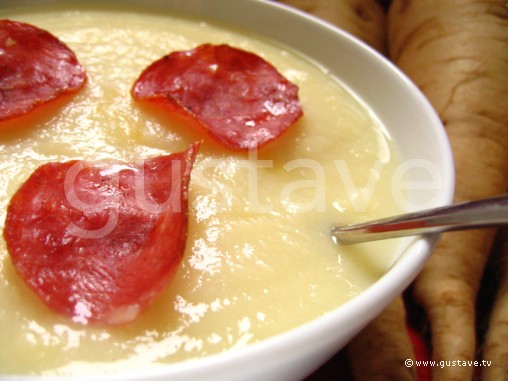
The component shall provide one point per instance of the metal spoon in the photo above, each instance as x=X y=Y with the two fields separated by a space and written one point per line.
x=468 y=215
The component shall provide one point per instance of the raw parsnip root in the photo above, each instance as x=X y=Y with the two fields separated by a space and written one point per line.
x=379 y=352
x=364 y=19
x=495 y=347
x=456 y=51
x=447 y=290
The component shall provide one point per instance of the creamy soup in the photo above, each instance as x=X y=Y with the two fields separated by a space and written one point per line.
x=259 y=259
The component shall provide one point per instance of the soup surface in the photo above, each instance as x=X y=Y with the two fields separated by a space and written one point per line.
x=259 y=258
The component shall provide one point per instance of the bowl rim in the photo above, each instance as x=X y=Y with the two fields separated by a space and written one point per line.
x=405 y=268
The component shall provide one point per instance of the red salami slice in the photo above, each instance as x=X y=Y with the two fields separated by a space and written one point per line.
x=98 y=242
x=35 y=67
x=239 y=98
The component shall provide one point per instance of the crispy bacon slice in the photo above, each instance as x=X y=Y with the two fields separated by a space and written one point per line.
x=35 y=68
x=96 y=241
x=239 y=98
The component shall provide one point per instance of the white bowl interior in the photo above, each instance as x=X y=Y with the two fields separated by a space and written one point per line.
x=428 y=173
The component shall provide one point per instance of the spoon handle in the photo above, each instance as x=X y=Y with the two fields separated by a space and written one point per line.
x=473 y=214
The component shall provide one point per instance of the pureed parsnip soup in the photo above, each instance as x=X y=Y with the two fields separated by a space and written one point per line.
x=259 y=258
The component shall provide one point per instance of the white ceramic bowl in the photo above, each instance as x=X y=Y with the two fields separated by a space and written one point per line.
x=420 y=138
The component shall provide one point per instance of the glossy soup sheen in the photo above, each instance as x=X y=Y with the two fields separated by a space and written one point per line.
x=259 y=258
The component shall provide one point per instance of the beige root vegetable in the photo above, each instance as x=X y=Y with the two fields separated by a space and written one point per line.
x=379 y=351
x=495 y=347
x=456 y=51
x=363 y=18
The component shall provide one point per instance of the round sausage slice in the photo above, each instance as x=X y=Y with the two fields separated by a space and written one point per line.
x=99 y=241
x=35 y=68
x=239 y=98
